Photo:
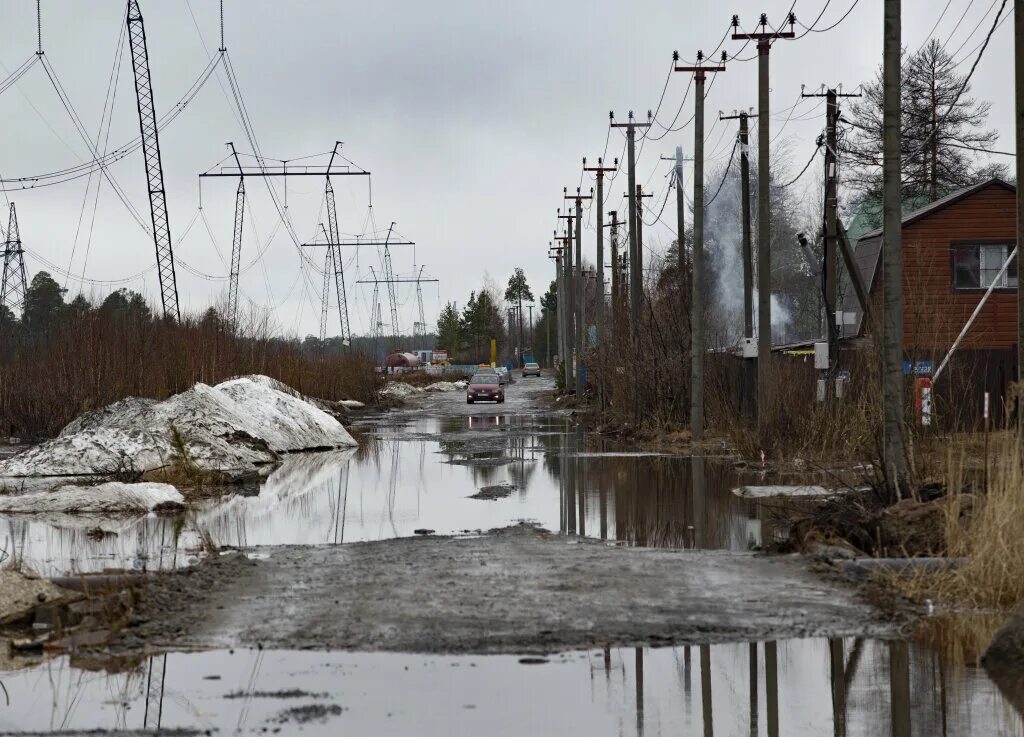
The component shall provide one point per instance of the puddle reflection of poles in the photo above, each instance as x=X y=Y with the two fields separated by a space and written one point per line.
x=639 y=691
x=563 y=524
x=771 y=678
x=570 y=490
x=153 y=714
x=705 y=691
x=699 y=501
x=687 y=677
x=753 y=689
x=899 y=688
x=837 y=658
x=582 y=443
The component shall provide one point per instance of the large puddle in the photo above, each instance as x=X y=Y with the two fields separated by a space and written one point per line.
x=800 y=688
x=417 y=474
x=422 y=475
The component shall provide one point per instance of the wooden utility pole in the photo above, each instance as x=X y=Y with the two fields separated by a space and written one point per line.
x=749 y=364
x=1018 y=44
x=564 y=305
x=635 y=218
x=897 y=471
x=830 y=272
x=764 y=39
x=599 y=171
x=555 y=254
x=569 y=300
x=579 y=288
x=697 y=298
x=616 y=276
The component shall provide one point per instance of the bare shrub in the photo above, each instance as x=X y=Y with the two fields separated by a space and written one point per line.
x=92 y=359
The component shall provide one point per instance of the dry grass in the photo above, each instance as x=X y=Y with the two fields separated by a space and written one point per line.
x=984 y=528
x=92 y=360
x=992 y=541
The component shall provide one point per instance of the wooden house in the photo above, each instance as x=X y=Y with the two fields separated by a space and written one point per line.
x=953 y=251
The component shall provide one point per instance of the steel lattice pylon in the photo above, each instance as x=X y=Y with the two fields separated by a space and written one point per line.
x=154 y=166
x=339 y=270
x=389 y=277
x=14 y=286
x=325 y=295
x=236 y=254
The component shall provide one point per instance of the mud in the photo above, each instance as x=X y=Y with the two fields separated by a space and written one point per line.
x=518 y=590
x=495 y=491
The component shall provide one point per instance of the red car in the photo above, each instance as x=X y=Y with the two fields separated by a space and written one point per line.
x=486 y=388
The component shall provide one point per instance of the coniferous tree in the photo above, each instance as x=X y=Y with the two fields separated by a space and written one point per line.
x=942 y=127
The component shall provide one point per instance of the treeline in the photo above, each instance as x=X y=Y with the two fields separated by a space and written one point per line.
x=59 y=359
x=488 y=315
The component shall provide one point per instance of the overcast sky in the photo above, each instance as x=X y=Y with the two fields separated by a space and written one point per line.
x=471 y=117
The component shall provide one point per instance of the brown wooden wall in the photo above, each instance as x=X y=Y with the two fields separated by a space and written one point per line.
x=933 y=312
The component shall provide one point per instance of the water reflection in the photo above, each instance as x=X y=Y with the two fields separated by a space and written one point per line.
x=774 y=688
x=421 y=474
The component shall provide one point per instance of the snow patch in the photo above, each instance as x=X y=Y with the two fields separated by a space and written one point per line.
x=233 y=427
x=445 y=386
x=351 y=404
x=399 y=390
x=112 y=497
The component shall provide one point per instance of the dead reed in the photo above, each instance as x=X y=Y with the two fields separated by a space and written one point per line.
x=89 y=360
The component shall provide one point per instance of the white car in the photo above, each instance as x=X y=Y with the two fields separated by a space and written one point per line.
x=531 y=369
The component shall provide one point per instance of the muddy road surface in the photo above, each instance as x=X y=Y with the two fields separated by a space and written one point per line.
x=483 y=569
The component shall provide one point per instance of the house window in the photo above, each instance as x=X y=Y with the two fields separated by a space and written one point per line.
x=977 y=265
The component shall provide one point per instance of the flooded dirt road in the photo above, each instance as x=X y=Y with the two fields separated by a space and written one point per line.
x=644 y=549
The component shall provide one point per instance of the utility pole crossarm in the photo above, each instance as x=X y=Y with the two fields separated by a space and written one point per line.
x=763 y=36
x=355 y=243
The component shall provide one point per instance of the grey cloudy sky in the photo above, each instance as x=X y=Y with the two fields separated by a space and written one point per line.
x=472 y=117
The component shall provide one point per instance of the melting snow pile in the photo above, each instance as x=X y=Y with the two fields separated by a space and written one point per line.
x=233 y=428
x=112 y=497
x=445 y=386
x=399 y=390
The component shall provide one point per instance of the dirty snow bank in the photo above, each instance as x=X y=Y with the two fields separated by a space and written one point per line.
x=113 y=497
x=399 y=390
x=233 y=428
x=446 y=386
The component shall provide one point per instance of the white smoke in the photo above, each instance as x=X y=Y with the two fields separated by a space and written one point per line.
x=723 y=260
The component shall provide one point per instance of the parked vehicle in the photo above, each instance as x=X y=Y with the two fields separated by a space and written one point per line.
x=504 y=374
x=531 y=369
x=485 y=387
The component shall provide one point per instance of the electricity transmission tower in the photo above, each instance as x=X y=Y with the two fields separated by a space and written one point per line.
x=420 y=328
x=332 y=262
x=154 y=166
x=15 y=284
x=236 y=246
x=391 y=281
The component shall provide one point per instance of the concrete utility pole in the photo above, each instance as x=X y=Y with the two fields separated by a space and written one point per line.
x=897 y=471
x=635 y=268
x=697 y=298
x=599 y=171
x=749 y=364
x=1018 y=45
x=764 y=40
x=578 y=287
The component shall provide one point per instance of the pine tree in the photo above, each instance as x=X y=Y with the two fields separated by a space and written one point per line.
x=940 y=127
x=449 y=330
x=44 y=303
